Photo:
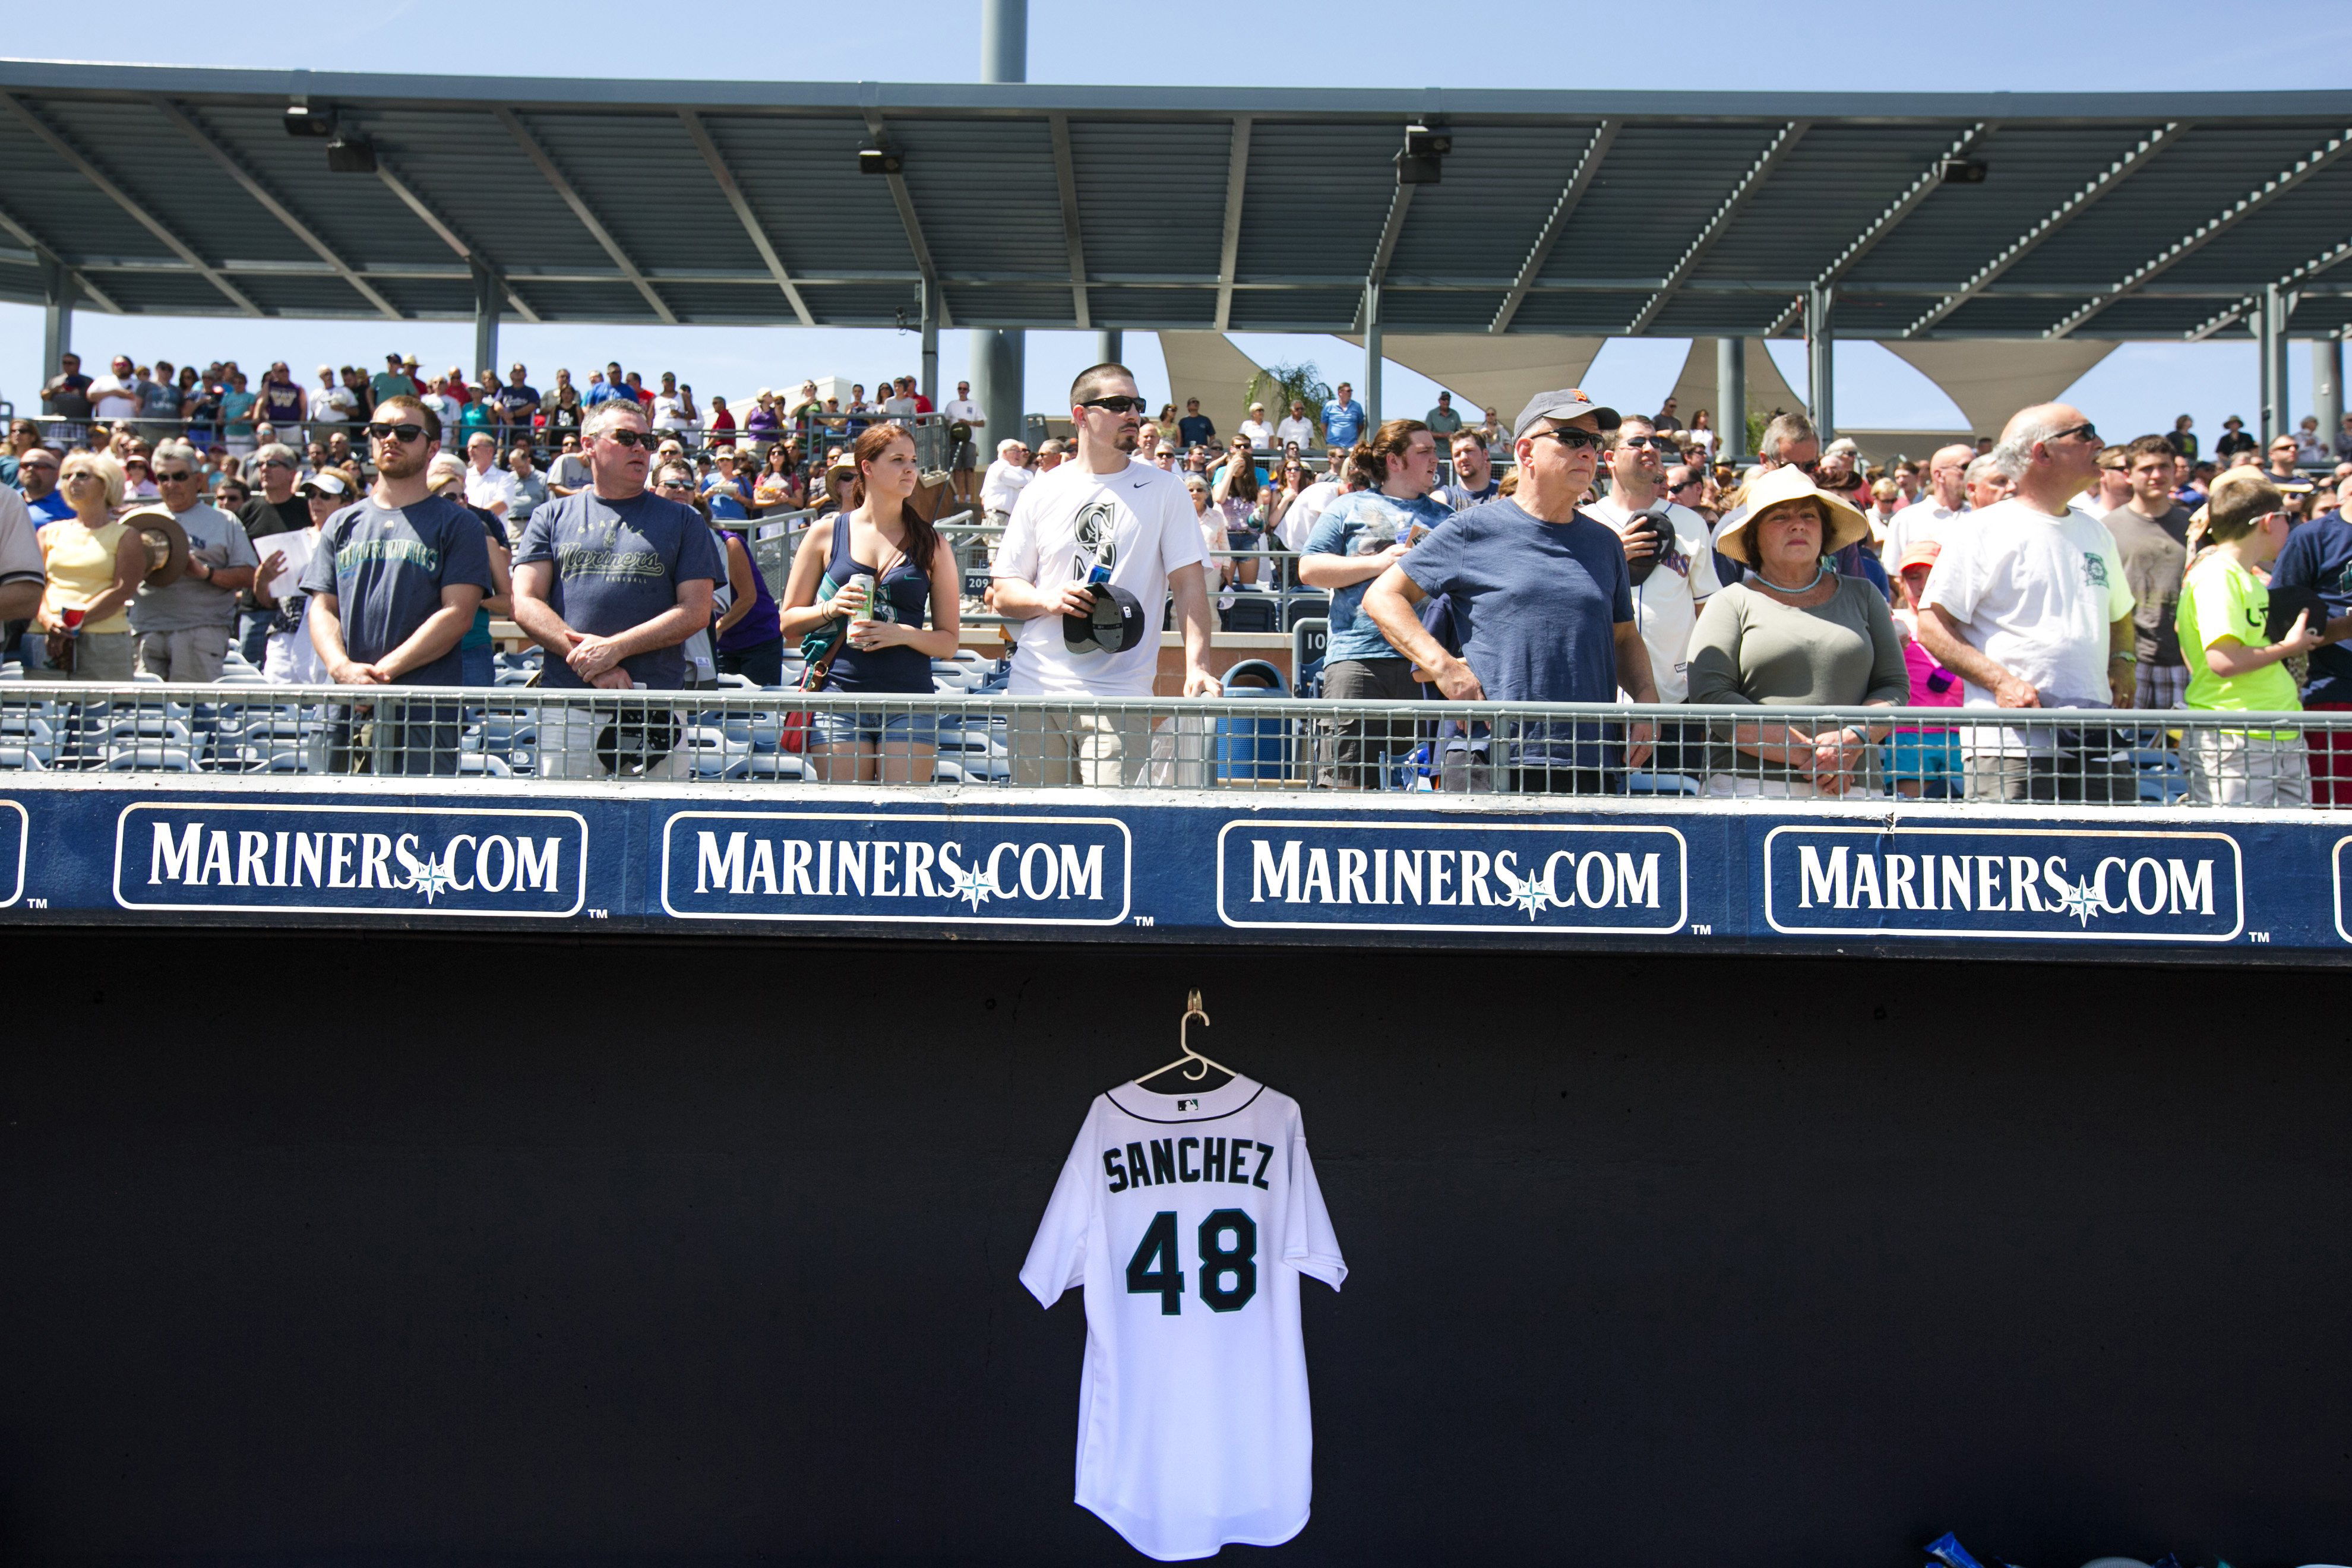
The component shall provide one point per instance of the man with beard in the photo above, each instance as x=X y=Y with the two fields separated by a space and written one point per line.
x=1087 y=566
x=394 y=582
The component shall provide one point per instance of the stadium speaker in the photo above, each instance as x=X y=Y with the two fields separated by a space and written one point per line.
x=1964 y=170
x=302 y=119
x=1420 y=160
x=878 y=161
x=348 y=154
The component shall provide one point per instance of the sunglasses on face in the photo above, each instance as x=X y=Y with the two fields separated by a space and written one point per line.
x=632 y=439
x=182 y=478
x=675 y=485
x=1655 y=443
x=1115 y=405
x=1575 y=440
x=278 y=462
x=2086 y=431
x=400 y=434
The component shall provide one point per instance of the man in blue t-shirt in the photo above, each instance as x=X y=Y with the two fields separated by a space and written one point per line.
x=393 y=585
x=613 y=388
x=610 y=581
x=1343 y=419
x=1542 y=601
x=1196 y=429
x=2317 y=558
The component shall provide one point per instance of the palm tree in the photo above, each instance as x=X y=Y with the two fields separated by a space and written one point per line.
x=1279 y=385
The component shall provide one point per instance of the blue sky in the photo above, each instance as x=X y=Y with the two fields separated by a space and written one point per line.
x=1702 y=45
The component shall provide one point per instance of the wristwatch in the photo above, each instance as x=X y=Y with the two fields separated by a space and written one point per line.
x=2125 y=656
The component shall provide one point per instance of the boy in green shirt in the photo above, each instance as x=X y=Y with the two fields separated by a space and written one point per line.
x=2233 y=667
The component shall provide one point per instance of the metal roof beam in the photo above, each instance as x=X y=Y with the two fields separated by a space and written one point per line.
x=554 y=177
x=1065 y=176
x=729 y=187
x=1229 y=245
x=2024 y=245
x=252 y=186
x=1775 y=152
x=44 y=251
x=1399 y=204
x=909 y=219
x=1930 y=180
x=2311 y=268
x=2212 y=228
x=414 y=200
x=1578 y=181
x=114 y=193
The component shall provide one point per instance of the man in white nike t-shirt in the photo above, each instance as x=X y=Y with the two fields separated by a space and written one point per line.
x=1102 y=516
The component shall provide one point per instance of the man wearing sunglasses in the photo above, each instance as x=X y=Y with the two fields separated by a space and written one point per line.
x=610 y=581
x=1542 y=601
x=37 y=477
x=181 y=628
x=394 y=582
x=276 y=509
x=2029 y=605
x=1093 y=553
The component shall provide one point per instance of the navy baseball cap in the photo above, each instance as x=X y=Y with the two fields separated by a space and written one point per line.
x=1115 y=625
x=1569 y=403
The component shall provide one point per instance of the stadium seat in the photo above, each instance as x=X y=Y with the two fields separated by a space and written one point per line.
x=22 y=759
x=149 y=760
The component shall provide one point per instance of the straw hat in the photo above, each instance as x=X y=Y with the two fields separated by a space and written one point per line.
x=1845 y=525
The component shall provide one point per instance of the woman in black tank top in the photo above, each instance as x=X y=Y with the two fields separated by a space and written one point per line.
x=886 y=647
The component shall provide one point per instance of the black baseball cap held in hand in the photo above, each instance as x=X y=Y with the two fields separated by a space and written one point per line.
x=1115 y=624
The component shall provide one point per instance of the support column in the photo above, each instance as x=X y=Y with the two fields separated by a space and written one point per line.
x=931 y=292
x=999 y=359
x=1820 y=362
x=1371 y=357
x=2271 y=327
x=56 y=318
x=1110 y=346
x=2327 y=386
x=486 y=320
x=1731 y=397
x=996 y=382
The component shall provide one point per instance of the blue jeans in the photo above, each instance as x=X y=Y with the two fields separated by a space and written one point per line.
x=252 y=635
x=478 y=666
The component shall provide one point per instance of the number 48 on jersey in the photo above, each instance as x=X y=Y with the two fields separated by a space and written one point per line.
x=1228 y=1267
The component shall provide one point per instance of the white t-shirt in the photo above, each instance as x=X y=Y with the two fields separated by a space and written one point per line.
x=2034 y=593
x=669 y=412
x=1665 y=604
x=332 y=405
x=1002 y=485
x=1260 y=433
x=1137 y=520
x=1300 y=520
x=1919 y=523
x=113 y=399
x=963 y=410
x=1299 y=430
x=1189 y=1222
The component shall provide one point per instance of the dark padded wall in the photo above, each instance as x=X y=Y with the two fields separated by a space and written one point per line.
x=639 y=1251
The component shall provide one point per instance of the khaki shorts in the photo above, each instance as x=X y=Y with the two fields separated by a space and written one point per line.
x=1109 y=750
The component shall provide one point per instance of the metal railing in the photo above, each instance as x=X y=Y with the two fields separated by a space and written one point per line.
x=970 y=732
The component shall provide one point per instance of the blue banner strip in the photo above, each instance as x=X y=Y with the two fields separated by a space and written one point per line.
x=1064 y=868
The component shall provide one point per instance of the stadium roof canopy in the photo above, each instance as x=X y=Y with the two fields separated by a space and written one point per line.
x=2115 y=215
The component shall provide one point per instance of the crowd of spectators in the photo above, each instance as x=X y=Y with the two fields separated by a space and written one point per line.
x=1574 y=555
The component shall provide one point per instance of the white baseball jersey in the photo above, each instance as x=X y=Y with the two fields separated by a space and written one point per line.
x=1189 y=1219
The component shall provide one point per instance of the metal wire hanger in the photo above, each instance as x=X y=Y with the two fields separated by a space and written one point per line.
x=1195 y=1064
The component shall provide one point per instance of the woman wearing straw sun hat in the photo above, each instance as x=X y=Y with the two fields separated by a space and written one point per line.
x=1795 y=633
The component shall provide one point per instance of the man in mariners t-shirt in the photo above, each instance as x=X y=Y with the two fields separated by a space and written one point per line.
x=610 y=581
x=1087 y=563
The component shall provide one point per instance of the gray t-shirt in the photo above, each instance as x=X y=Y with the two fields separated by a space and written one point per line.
x=1750 y=648
x=2155 y=552
x=220 y=542
x=618 y=564
x=386 y=567
x=530 y=493
x=570 y=469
